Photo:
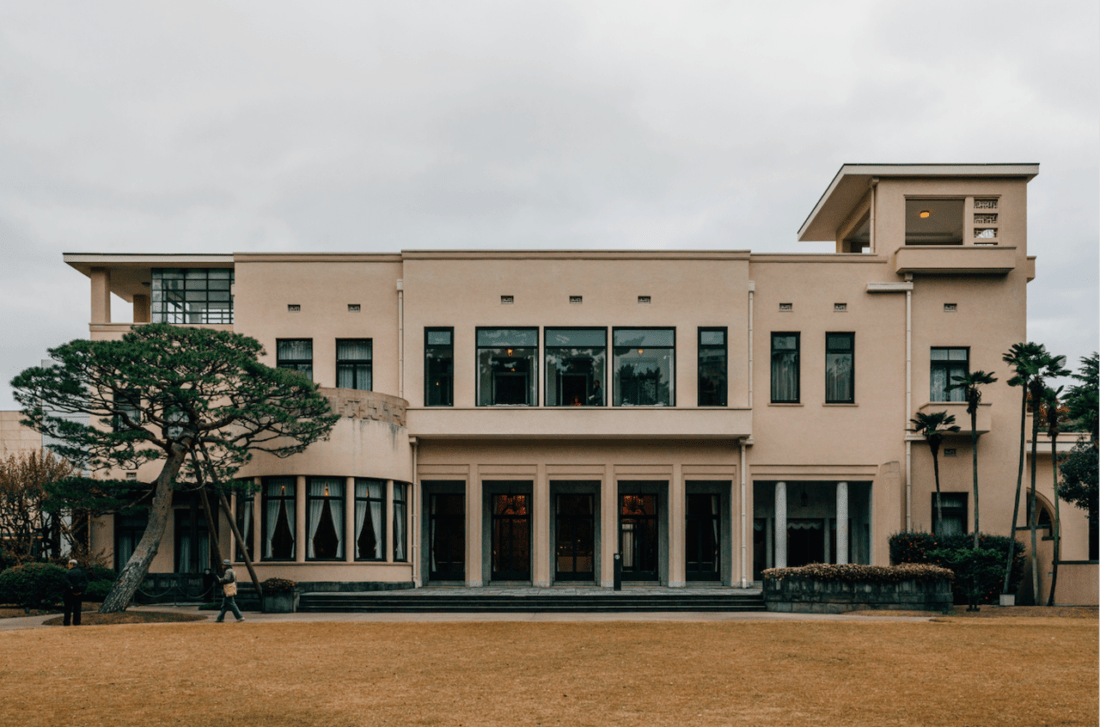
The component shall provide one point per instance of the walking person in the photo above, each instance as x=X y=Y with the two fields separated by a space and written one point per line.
x=228 y=582
x=76 y=582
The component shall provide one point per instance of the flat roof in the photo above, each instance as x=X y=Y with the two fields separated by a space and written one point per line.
x=853 y=180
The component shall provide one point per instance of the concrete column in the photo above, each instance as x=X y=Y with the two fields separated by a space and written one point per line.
x=300 y=532
x=101 y=295
x=841 y=523
x=141 y=309
x=609 y=527
x=257 y=521
x=780 y=524
x=677 y=522
x=349 y=520
x=540 y=549
x=473 y=530
x=389 y=521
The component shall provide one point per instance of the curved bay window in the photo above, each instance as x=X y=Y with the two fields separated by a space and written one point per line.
x=400 y=518
x=576 y=360
x=325 y=518
x=644 y=360
x=370 y=520
x=279 y=507
x=507 y=366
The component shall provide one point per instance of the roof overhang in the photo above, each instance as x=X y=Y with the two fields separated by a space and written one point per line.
x=131 y=272
x=852 y=182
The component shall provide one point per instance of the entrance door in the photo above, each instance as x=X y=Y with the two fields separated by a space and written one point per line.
x=703 y=538
x=575 y=538
x=511 y=559
x=447 y=537
x=638 y=536
x=805 y=542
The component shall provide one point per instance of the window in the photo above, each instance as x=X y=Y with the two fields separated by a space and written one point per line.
x=840 y=372
x=353 y=363
x=785 y=368
x=325 y=518
x=933 y=221
x=295 y=354
x=128 y=409
x=576 y=363
x=954 y=513
x=400 y=518
x=243 y=515
x=947 y=364
x=190 y=559
x=280 y=505
x=192 y=295
x=370 y=519
x=507 y=366
x=713 y=356
x=439 y=367
x=128 y=532
x=644 y=360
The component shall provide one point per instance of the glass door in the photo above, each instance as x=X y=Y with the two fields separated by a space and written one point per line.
x=638 y=537
x=511 y=556
x=703 y=537
x=575 y=538
x=447 y=537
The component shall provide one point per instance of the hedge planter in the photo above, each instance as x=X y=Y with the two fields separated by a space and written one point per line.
x=281 y=602
x=842 y=588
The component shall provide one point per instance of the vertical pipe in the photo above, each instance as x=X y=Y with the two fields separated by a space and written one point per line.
x=401 y=338
x=752 y=293
x=908 y=405
x=744 y=520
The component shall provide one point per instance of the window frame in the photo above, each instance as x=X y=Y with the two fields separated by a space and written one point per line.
x=382 y=521
x=132 y=531
x=533 y=394
x=294 y=364
x=292 y=512
x=797 y=367
x=546 y=365
x=200 y=529
x=724 y=393
x=134 y=411
x=159 y=298
x=851 y=371
x=450 y=398
x=341 y=545
x=353 y=364
x=952 y=510
x=615 y=395
x=244 y=499
x=934 y=364
x=402 y=488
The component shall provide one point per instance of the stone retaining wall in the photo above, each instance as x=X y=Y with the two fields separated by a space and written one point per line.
x=803 y=595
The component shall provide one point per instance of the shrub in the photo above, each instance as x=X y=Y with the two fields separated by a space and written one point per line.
x=278 y=585
x=7 y=560
x=945 y=551
x=98 y=590
x=855 y=573
x=101 y=573
x=33 y=585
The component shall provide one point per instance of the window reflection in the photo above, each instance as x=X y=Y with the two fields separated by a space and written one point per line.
x=644 y=366
x=576 y=360
x=507 y=367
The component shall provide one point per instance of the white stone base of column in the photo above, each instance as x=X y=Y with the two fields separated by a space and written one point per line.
x=677 y=584
x=607 y=584
x=541 y=584
x=473 y=584
x=417 y=583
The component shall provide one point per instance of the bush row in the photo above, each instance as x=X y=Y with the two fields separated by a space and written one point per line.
x=854 y=573
x=35 y=585
x=979 y=570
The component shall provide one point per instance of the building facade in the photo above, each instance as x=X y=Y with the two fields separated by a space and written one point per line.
x=523 y=416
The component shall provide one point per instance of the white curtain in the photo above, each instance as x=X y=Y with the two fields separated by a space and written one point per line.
x=272 y=519
x=784 y=371
x=244 y=522
x=316 y=504
x=184 y=559
x=399 y=523
x=374 y=491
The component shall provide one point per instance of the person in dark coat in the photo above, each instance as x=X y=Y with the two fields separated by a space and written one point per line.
x=76 y=582
x=229 y=601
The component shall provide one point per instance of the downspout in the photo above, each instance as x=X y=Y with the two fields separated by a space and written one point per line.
x=874 y=189
x=401 y=338
x=744 y=518
x=752 y=293
x=908 y=404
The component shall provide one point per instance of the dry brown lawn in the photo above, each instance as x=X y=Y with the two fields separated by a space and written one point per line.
x=1025 y=671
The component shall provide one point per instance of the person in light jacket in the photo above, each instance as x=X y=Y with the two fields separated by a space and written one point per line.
x=229 y=601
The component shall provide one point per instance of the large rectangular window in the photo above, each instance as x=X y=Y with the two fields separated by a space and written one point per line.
x=713 y=355
x=325 y=518
x=948 y=364
x=295 y=354
x=192 y=542
x=353 y=363
x=439 y=367
x=954 y=513
x=400 y=519
x=128 y=531
x=576 y=362
x=192 y=295
x=370 y=519
x=840 y=368
x=507 y=366
x=644 y=366
x=785 y=368
x=280 y=506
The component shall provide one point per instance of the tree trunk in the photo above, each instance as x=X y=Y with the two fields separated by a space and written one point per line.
x=939 y=498
x=135 y=570
x=1034 y=504
x=974 y=449
x=1057 y=519
x=1016 y=502
x=240 y=545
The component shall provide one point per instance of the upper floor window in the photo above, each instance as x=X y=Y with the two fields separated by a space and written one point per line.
x=507 y=366
x=353 y=363
x=934 y=221
x=295 y=354
x=840 y=371
x=127 y=411
x=713 y=355
x=947 y=364
x=644 y=363
x=576 y=364
x=785 y=368
x=439 y=367
x=192 y=295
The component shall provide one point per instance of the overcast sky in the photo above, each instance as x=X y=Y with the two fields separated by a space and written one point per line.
x=227 y=126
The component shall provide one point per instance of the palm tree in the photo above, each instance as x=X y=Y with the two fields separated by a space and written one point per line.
x=1022 y=358
x=934 y=426
x=971 y=385
x=1051 y=402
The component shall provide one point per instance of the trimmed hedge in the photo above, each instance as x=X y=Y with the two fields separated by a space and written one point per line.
x=98 y=590
x=854 y=573
x=33 y=585
x=977 y=571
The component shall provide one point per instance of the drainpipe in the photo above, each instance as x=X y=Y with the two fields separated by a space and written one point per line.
x=908 y=404
x=874 y=189
x=401 y=338
x=744 y=518
x=752 y=293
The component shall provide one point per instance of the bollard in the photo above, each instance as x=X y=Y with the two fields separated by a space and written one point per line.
x=618 y=571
